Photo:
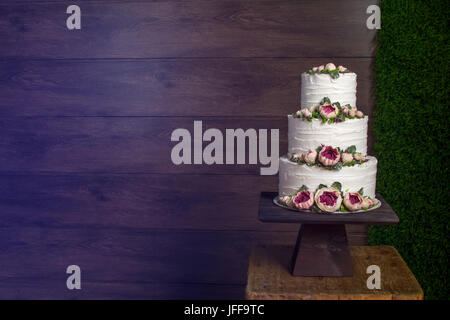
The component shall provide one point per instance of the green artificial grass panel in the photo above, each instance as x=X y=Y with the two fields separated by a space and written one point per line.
x=411 y=128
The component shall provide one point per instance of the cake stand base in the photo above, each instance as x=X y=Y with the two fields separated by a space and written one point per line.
x=322 y=250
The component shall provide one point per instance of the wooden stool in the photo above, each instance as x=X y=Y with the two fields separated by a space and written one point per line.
x=269 y=277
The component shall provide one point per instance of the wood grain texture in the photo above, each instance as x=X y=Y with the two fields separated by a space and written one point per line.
x=128 y=255
x=269 y=277
x=51 y=290
x=178 y=202
x=113 y=145
x=165 y=87
x=188 y=29
x=135 y=201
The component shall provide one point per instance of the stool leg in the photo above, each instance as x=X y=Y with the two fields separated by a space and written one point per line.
x=322 y=251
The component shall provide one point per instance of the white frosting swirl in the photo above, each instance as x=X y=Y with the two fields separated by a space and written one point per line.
x=304 y=135
x=317 y=86
x=292 y=176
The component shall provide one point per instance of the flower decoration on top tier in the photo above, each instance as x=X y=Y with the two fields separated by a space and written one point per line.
x=329 y=112
x=329 y=69
x=328 y=199
x=330 y=158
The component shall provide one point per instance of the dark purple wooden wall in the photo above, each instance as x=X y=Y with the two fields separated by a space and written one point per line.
x=85 y=124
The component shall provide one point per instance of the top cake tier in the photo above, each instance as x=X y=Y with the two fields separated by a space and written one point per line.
x=315 y=86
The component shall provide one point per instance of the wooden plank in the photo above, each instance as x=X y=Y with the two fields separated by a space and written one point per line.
x=135 y=201
x=56 y=290
x=114 y=145
x=161 y=87
x=128 y=255
x=269 y=277
x=188 y=29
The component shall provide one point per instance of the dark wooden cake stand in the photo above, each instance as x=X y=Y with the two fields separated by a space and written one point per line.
x=322 y=248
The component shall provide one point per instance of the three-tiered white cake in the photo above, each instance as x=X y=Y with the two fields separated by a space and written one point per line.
x=327 y=166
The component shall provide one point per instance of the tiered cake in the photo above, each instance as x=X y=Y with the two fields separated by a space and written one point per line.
x=327 y=167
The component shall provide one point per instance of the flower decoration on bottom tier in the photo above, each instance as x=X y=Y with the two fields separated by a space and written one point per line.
x=328 y=200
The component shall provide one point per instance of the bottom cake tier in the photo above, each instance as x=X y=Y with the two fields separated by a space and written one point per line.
x=292 y=176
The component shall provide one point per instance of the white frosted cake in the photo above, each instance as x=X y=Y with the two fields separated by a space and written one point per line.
x=327 y=167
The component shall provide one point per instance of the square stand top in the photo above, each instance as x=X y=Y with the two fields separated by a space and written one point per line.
x=269 y=212
x=269 y=277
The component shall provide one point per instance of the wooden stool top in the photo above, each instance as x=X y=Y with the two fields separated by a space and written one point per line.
x=269 y=277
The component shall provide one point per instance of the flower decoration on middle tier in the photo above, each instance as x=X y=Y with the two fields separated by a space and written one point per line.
x=329 y=112
x=330 y=158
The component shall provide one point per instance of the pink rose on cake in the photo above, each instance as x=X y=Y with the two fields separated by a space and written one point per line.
x=306 y=113
x=329 y=156
x=288 y=200
x=347 y=158
x=353 y=201
x=328 y=110
x=304 y=200
x=310 y=157
x=359 y=156
x=328 y=199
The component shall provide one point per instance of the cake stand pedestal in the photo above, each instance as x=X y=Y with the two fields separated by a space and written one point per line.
x=322 y=247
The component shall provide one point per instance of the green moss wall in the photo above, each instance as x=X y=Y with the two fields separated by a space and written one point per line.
x=411 y=128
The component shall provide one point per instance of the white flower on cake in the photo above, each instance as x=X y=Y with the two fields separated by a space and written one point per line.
x=330 y=66
x=352 y=112
x=329 y=156
x=347 y=158
x=359 y=114
x=306 y=113
x=359 y=156
x=288 y=200
x=304 y=200
x=328 y=199
x=320 y=68
x=366 y=203
x=342 y=69
x=353 y=201
x=345 y=110
x=311 y=156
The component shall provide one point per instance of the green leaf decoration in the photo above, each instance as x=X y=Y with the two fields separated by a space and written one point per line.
x=361 y=191
x=343 y=208
x=325 y=99
x=351 y=149
x=337 y=185
x=303 y=188
x=338 y=166
x=322 y=186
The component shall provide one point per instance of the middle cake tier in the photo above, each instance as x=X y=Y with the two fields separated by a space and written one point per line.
x=292 y=176
x=308 y=135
